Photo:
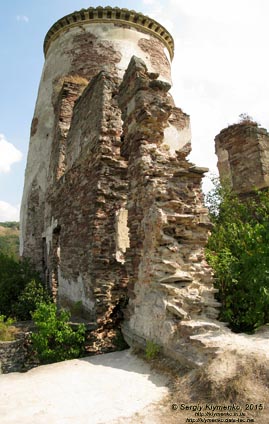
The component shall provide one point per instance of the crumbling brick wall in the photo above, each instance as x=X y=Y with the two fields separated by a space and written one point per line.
x=82 y=208
x=67 y=97
x=170 y=289
x=243 y=156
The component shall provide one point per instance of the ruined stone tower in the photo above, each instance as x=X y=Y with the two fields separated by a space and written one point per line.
x=77 y=48
x=112 y=212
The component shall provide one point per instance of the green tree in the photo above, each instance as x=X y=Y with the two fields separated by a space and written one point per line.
x=55 y=340
x=15 y=277
x=238 y=251
x=32 y=295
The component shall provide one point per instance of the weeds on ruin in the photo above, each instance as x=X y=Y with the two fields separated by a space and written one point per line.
x=7 y=330
x=245 y=118
x=152 y=350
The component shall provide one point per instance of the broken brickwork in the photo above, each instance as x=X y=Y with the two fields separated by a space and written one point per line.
x=170 y=289
x=243 y=156
x=85 y=203
x=63 y=112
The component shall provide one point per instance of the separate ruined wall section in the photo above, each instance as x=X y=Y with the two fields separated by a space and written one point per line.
x=243 y=156
x=170 y=289
x=83 y=232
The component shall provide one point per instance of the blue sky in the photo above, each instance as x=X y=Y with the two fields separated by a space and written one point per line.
x=220 y=70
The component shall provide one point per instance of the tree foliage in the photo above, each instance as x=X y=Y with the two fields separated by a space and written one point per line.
x=32 y=295
x=20 y=288
x=238 y=251
x=55 y=340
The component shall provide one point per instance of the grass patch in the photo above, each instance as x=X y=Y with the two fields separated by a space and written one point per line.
x=7 y=330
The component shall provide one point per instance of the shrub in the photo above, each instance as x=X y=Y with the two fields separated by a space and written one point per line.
x=55 y=340
x=245 y=118
x=7 y=330
x=14 y=278
x=238 y=251
x=33 y=294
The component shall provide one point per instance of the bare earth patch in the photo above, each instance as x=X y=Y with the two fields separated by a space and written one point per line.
x=124 y=388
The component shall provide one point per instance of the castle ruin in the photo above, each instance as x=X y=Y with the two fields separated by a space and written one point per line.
x=112 y=212
x=243 y=157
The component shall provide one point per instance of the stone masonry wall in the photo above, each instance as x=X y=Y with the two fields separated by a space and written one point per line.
x=170 y=289
x=12 y=356
x=243 y=156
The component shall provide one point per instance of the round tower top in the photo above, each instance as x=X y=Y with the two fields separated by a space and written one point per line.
x=130 y=18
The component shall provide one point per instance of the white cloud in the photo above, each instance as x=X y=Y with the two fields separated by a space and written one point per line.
x=9 y=212
x=220 y=68
x=22 y=18
x=9 y=154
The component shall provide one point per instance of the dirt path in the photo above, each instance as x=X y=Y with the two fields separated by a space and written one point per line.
x=121 y=388
x=100 y=389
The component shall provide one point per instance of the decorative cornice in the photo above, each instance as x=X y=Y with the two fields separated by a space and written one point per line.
x=110 y=14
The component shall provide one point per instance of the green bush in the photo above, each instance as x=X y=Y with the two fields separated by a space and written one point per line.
x=55 y=340
x=238 y=251
x=32 y=295
x=14 y=278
